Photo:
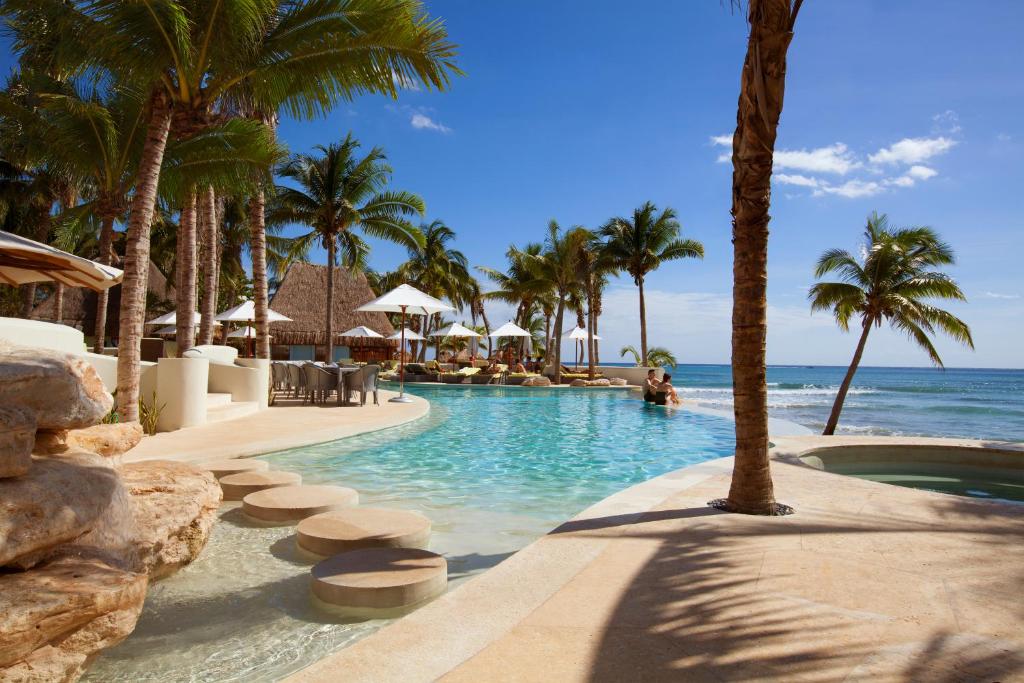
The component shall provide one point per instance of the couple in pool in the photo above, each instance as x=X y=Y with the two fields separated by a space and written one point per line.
x=661 y=392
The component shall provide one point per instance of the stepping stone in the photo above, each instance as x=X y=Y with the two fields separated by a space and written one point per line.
x=292 y=503
x=238 y=486
x=356 y=528
x=222 y=468
x=375 y=580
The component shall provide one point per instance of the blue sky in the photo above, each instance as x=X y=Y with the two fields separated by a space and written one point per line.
x=580 y=111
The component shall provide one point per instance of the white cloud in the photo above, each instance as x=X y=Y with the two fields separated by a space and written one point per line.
x=835 y=158
x=721 y=140
x=796 y=179
x=902 y=181
x=851 y=189
x=921 y=172
x=912 y=150
x=421 y=121
x=948 y=123
x=403 y=83
x=997 y=295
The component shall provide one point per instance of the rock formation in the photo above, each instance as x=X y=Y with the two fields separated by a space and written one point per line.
x=80 y=538
x=536 y=382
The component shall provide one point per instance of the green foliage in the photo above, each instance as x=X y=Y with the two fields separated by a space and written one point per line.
x=640 y=244
x=657 y=356
x=892 y=282
x=149 y=414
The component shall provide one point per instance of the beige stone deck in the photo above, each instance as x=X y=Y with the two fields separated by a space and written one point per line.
x=287 y=424
x=865 y=581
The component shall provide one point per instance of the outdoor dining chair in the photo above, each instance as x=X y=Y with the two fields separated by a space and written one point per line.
x=319 y=383
x=296 y=380
x=363 y=380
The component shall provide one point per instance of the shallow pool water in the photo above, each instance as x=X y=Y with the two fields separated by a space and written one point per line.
x=494 y=469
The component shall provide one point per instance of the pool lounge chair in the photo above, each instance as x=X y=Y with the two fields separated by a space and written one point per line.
x=459 y=377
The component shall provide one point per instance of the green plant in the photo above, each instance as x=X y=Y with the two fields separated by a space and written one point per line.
x=149 y=414
x=112 y=417
x=657 y=356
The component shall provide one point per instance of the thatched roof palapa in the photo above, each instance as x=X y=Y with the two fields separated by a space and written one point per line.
x=302 y=296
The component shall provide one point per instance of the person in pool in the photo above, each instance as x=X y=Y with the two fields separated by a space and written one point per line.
x=650 y=387
x=670 y=391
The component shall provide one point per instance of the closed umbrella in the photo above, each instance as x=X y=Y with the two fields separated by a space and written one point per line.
x=405 y=299
x=23 y=261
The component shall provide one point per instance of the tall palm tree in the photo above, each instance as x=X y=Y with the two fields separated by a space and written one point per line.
x=762 y=86
x=558 y=267
x=597 y=263
x=518 y=286
x=188 y=55
x=336 y=192
x=642 y=243
x=889 y=284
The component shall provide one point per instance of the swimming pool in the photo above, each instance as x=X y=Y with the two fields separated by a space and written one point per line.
x=493 y=467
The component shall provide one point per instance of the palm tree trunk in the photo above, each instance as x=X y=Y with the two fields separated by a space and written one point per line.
x=330 y=297
x=558 y=340
x=837 y=407
x=760 y=104
x=103 y=296
x=590 y=333
x=185 y=276
x=208 y=221
x=643 y=322
x=258 y=251
x=28 y=299
x=58 y=303
x=136 y=261
x=547 y=336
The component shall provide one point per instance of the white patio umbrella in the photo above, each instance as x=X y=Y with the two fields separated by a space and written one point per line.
x=456 y=330
x=245 y=312
x=510 y=329
x=23 y=260
x=361 y=331
x=243 y=332
x=579 y=334
x=405 y=299
x=172 y=319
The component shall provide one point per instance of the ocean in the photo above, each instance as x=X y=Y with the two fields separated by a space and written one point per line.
x=964 y=402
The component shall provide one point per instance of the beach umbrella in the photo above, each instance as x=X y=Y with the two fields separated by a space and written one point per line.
x=579 y=335
x=454 y=330
x=247 y=332
x=510 y=329
x=172 y=319
x=245 y=312
x=170 y=329
x=405 y=334
x=23 y=260
x=361 y=331
x=405 y=299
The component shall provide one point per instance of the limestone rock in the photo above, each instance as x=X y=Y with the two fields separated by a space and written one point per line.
x=62 y=389
x=17 y=437
x=175 y=505
x=536 y=382
x=617 y=382
x=58 y=501
x=56 y=617
x=578 y=383
x=602 y=382
x=108 y=440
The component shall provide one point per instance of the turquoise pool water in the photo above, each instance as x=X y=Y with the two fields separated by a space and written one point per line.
x=539 y=452
x=493 y=468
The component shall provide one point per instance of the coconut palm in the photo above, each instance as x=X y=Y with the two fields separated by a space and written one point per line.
x=657 y=356
x=188 y=55
x=639 y=245
x=597 y=263
x=518 y=286
x=558 y=269
x=891 y=283
x=336 y=192
x=762 y=86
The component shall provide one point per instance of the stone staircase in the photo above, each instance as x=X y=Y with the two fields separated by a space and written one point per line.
x=220 y=407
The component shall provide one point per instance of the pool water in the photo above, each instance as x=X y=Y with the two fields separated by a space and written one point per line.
x=988 y=483
x=493 y=467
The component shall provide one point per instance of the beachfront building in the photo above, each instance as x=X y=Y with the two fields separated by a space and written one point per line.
x=302 y=296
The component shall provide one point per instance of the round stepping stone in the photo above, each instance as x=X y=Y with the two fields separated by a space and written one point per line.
x=356 y=528
x=379 y=579
x=238 y=486
x=292 y=503
x=222 y=468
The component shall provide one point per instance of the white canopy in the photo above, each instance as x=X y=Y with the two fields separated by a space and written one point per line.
x=246 y=311
x=510 y=329
x=578 y=333
x=455 y=330
x=244 y=332
x=172 y=319
x=408 y=299
x=23 y=260
x=170 y=329
x=410 y=335
x=361 y=331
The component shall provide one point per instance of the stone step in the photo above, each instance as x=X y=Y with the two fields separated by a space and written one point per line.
x=377 y=581
x=288 y=504
x=224 y=468
x=231 y=411
x=213 y=400
x=337 y=532
x=238 y=486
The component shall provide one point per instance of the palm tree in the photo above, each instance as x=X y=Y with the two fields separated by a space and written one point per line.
x=337 y=192
x=889 y=284
x=640 y=244
x=762 y=86
x=597 y=263
x=558 y=268
x=656 y=355
x=188 y=55
x=518 y=286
